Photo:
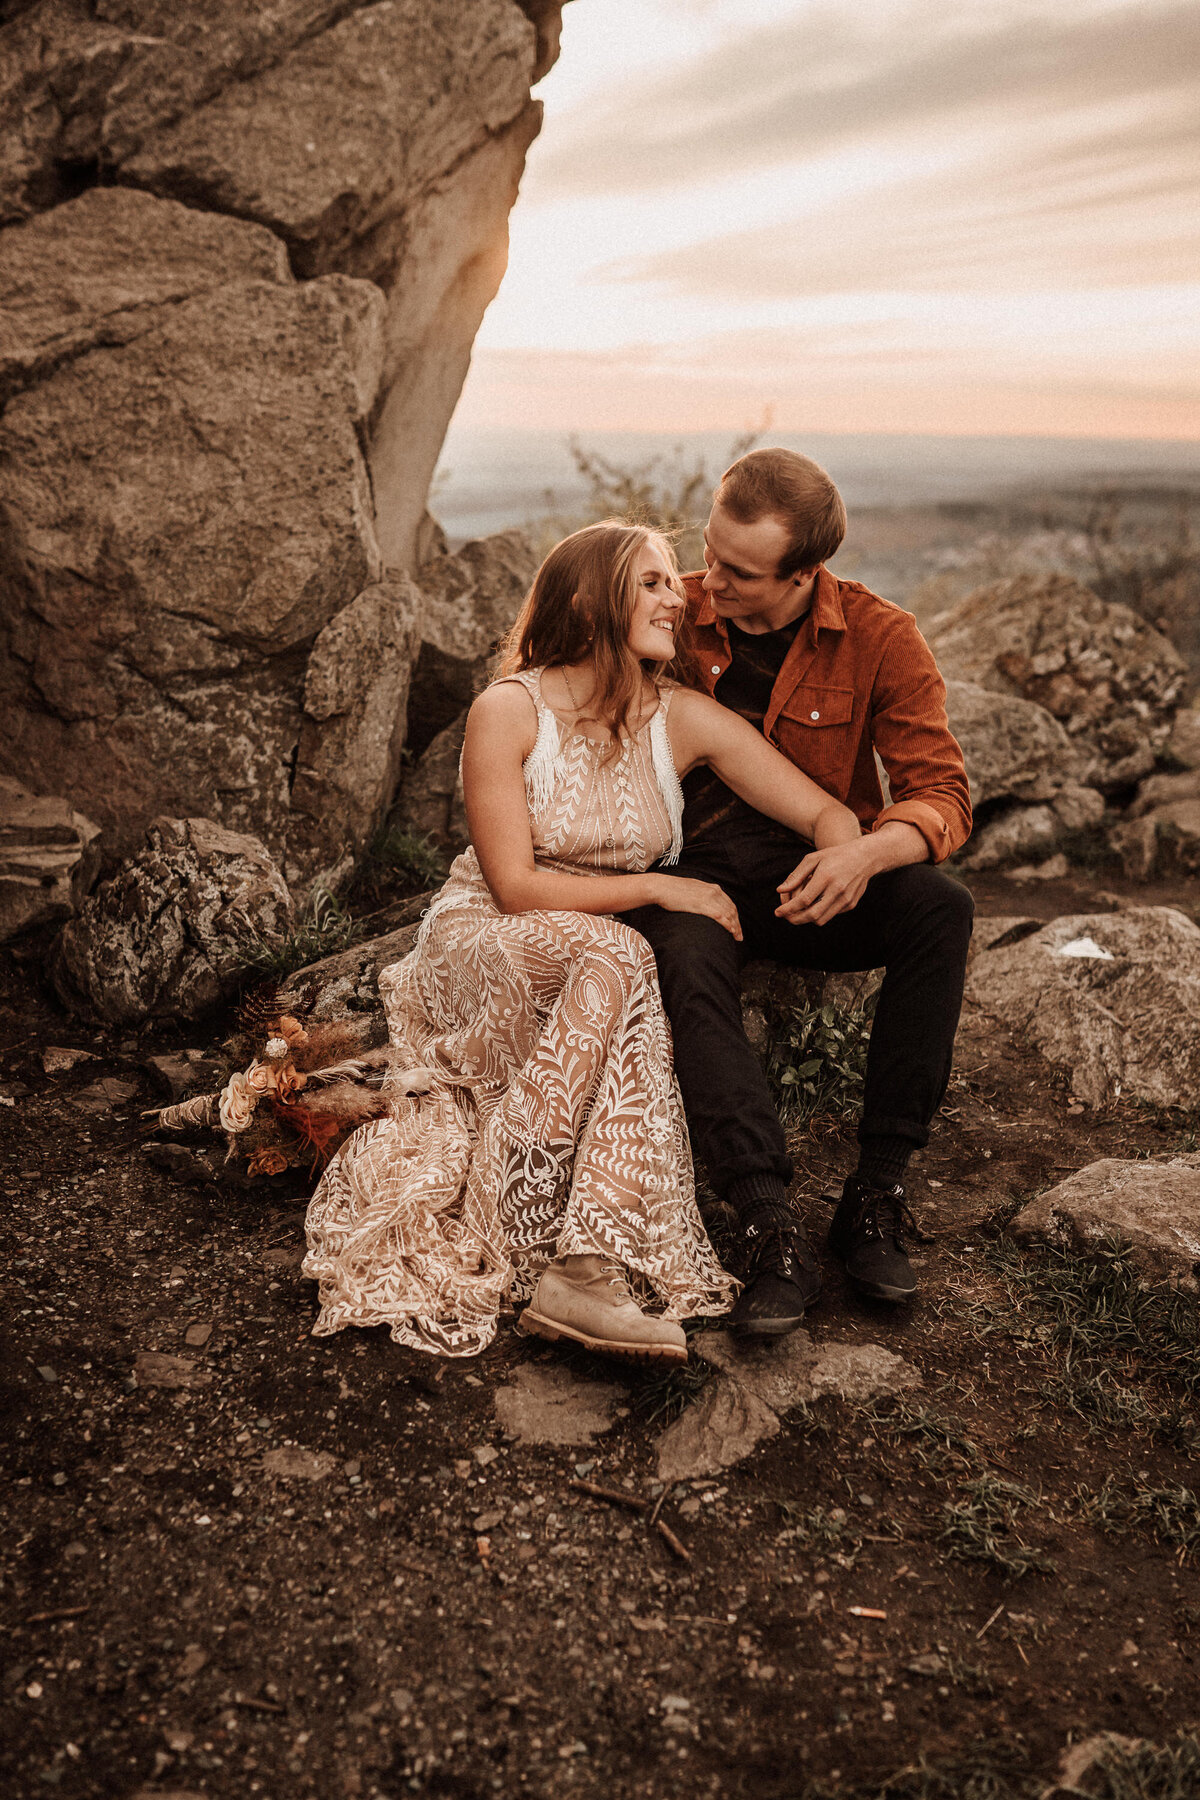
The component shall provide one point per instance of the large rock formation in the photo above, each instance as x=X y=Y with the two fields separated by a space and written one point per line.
x=247 y=250
x=1112 y=681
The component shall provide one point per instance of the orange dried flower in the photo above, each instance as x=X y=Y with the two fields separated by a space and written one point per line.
x=289 y=1029
x=267 y=1162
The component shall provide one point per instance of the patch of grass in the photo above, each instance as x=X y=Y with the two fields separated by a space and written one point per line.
x=982 y=1527
x=398 y=859
x=1145 y=1772
x=324 y=928
x=818 y=1060
x=1100 y=1307
x=662 y=1397
x=939 y=1443
x=1172 y=1515
x=986 y=1772
x=1105 y=1404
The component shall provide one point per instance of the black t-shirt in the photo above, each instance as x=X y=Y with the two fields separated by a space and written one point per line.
x=713 y=813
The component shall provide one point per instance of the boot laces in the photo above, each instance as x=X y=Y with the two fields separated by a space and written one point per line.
x=886 y=1213
x=779 y=1247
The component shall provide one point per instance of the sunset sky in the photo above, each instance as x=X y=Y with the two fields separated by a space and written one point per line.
x=898 y=216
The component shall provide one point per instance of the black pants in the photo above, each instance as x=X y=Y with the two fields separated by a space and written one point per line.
x=914 y=922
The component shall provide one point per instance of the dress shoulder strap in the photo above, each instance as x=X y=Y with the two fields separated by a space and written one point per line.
x=542 y=768
x=665 y=772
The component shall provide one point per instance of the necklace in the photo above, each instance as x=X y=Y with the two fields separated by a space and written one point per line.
x=570 y=690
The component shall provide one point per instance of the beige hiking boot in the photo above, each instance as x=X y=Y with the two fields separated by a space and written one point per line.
x=586 y=1299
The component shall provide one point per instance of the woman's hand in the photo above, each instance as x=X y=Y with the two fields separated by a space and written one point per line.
x=679 y=893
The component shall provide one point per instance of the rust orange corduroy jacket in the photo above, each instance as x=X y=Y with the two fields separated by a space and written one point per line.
x=859 y=678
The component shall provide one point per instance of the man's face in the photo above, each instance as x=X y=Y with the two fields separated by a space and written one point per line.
x=742 y=582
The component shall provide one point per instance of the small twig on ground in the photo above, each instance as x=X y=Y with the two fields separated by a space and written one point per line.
x=57 y=1612
x=990 y=1622
x=270 y=1706
x=658 y=1504
x=617 y=1496
x=673 y=1543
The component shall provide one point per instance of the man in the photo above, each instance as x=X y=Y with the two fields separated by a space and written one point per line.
x=831 y=674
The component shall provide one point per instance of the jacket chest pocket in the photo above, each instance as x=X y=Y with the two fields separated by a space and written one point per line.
x=815 y=708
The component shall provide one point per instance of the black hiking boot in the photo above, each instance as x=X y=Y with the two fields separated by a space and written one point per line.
x=866 y=1236
x=781 y=1276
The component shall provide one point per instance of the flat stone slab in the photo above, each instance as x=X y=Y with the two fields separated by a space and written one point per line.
x=153 y=1368
x=292 y=1463
x=548 y=1405
x=1153 y=1206
x=757 y=1385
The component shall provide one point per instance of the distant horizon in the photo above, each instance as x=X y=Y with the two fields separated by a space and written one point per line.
x=492 y=477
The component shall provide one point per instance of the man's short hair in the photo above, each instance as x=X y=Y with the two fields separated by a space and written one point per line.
x=791 y=488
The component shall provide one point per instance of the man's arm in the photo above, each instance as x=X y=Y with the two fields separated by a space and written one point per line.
x=930 y=812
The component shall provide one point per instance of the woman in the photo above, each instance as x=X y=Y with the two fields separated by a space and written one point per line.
x=545 y=1150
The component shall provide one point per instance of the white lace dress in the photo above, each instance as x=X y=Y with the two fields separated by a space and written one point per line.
x=555 y=1125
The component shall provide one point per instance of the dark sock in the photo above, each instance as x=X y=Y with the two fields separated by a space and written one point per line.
x=882 y=1161
x=758 y=1193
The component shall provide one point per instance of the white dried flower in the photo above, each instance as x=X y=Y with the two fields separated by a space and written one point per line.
x=276 y=1048
x=237 y=1104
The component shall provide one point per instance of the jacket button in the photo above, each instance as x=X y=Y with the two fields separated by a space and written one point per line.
x=716 y=668
x=814 y=715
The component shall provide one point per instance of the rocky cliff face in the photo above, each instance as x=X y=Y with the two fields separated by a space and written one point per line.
x=246 y=248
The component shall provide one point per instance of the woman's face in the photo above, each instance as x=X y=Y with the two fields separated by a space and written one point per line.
x=658 y=609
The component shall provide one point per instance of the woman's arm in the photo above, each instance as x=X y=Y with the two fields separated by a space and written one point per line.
x=701 y=730
x=501 y=732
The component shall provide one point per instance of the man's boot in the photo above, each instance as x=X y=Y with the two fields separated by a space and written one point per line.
x=587 y=1300
x=780 y=1272
x=866 y=1234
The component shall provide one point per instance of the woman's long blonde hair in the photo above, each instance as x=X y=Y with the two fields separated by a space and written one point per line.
x=581 y=605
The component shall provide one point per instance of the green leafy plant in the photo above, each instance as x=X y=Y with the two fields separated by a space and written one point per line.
x=818 y=1060
x=324 y=928
x=397 y=863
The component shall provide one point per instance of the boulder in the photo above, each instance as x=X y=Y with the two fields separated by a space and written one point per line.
x=1112 y=997
x=755 y=1388
x=1111 y=680
x=356 y=691
x=1154 y=1207
x=185 y=513
x=348 y=983
x=1016 y=835
x=1013 y=748
x=430 y=800
x=469 y=601
x=49 y=858
x=94 y=271
x=1165 y=841
x=166 y=936
x=1183 y=745
x=1078 y=808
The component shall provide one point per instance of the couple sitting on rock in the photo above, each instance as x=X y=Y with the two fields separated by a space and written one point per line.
x=545 y=1156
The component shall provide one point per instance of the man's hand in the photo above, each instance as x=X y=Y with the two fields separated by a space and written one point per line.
x=833 y=881
x=826 y=883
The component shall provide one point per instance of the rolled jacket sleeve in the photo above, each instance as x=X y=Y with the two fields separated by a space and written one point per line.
x=910 y=731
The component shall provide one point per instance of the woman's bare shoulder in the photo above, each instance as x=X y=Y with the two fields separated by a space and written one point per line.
x=505 y=706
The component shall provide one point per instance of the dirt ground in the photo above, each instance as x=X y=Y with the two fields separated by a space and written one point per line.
x=434 y=1609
